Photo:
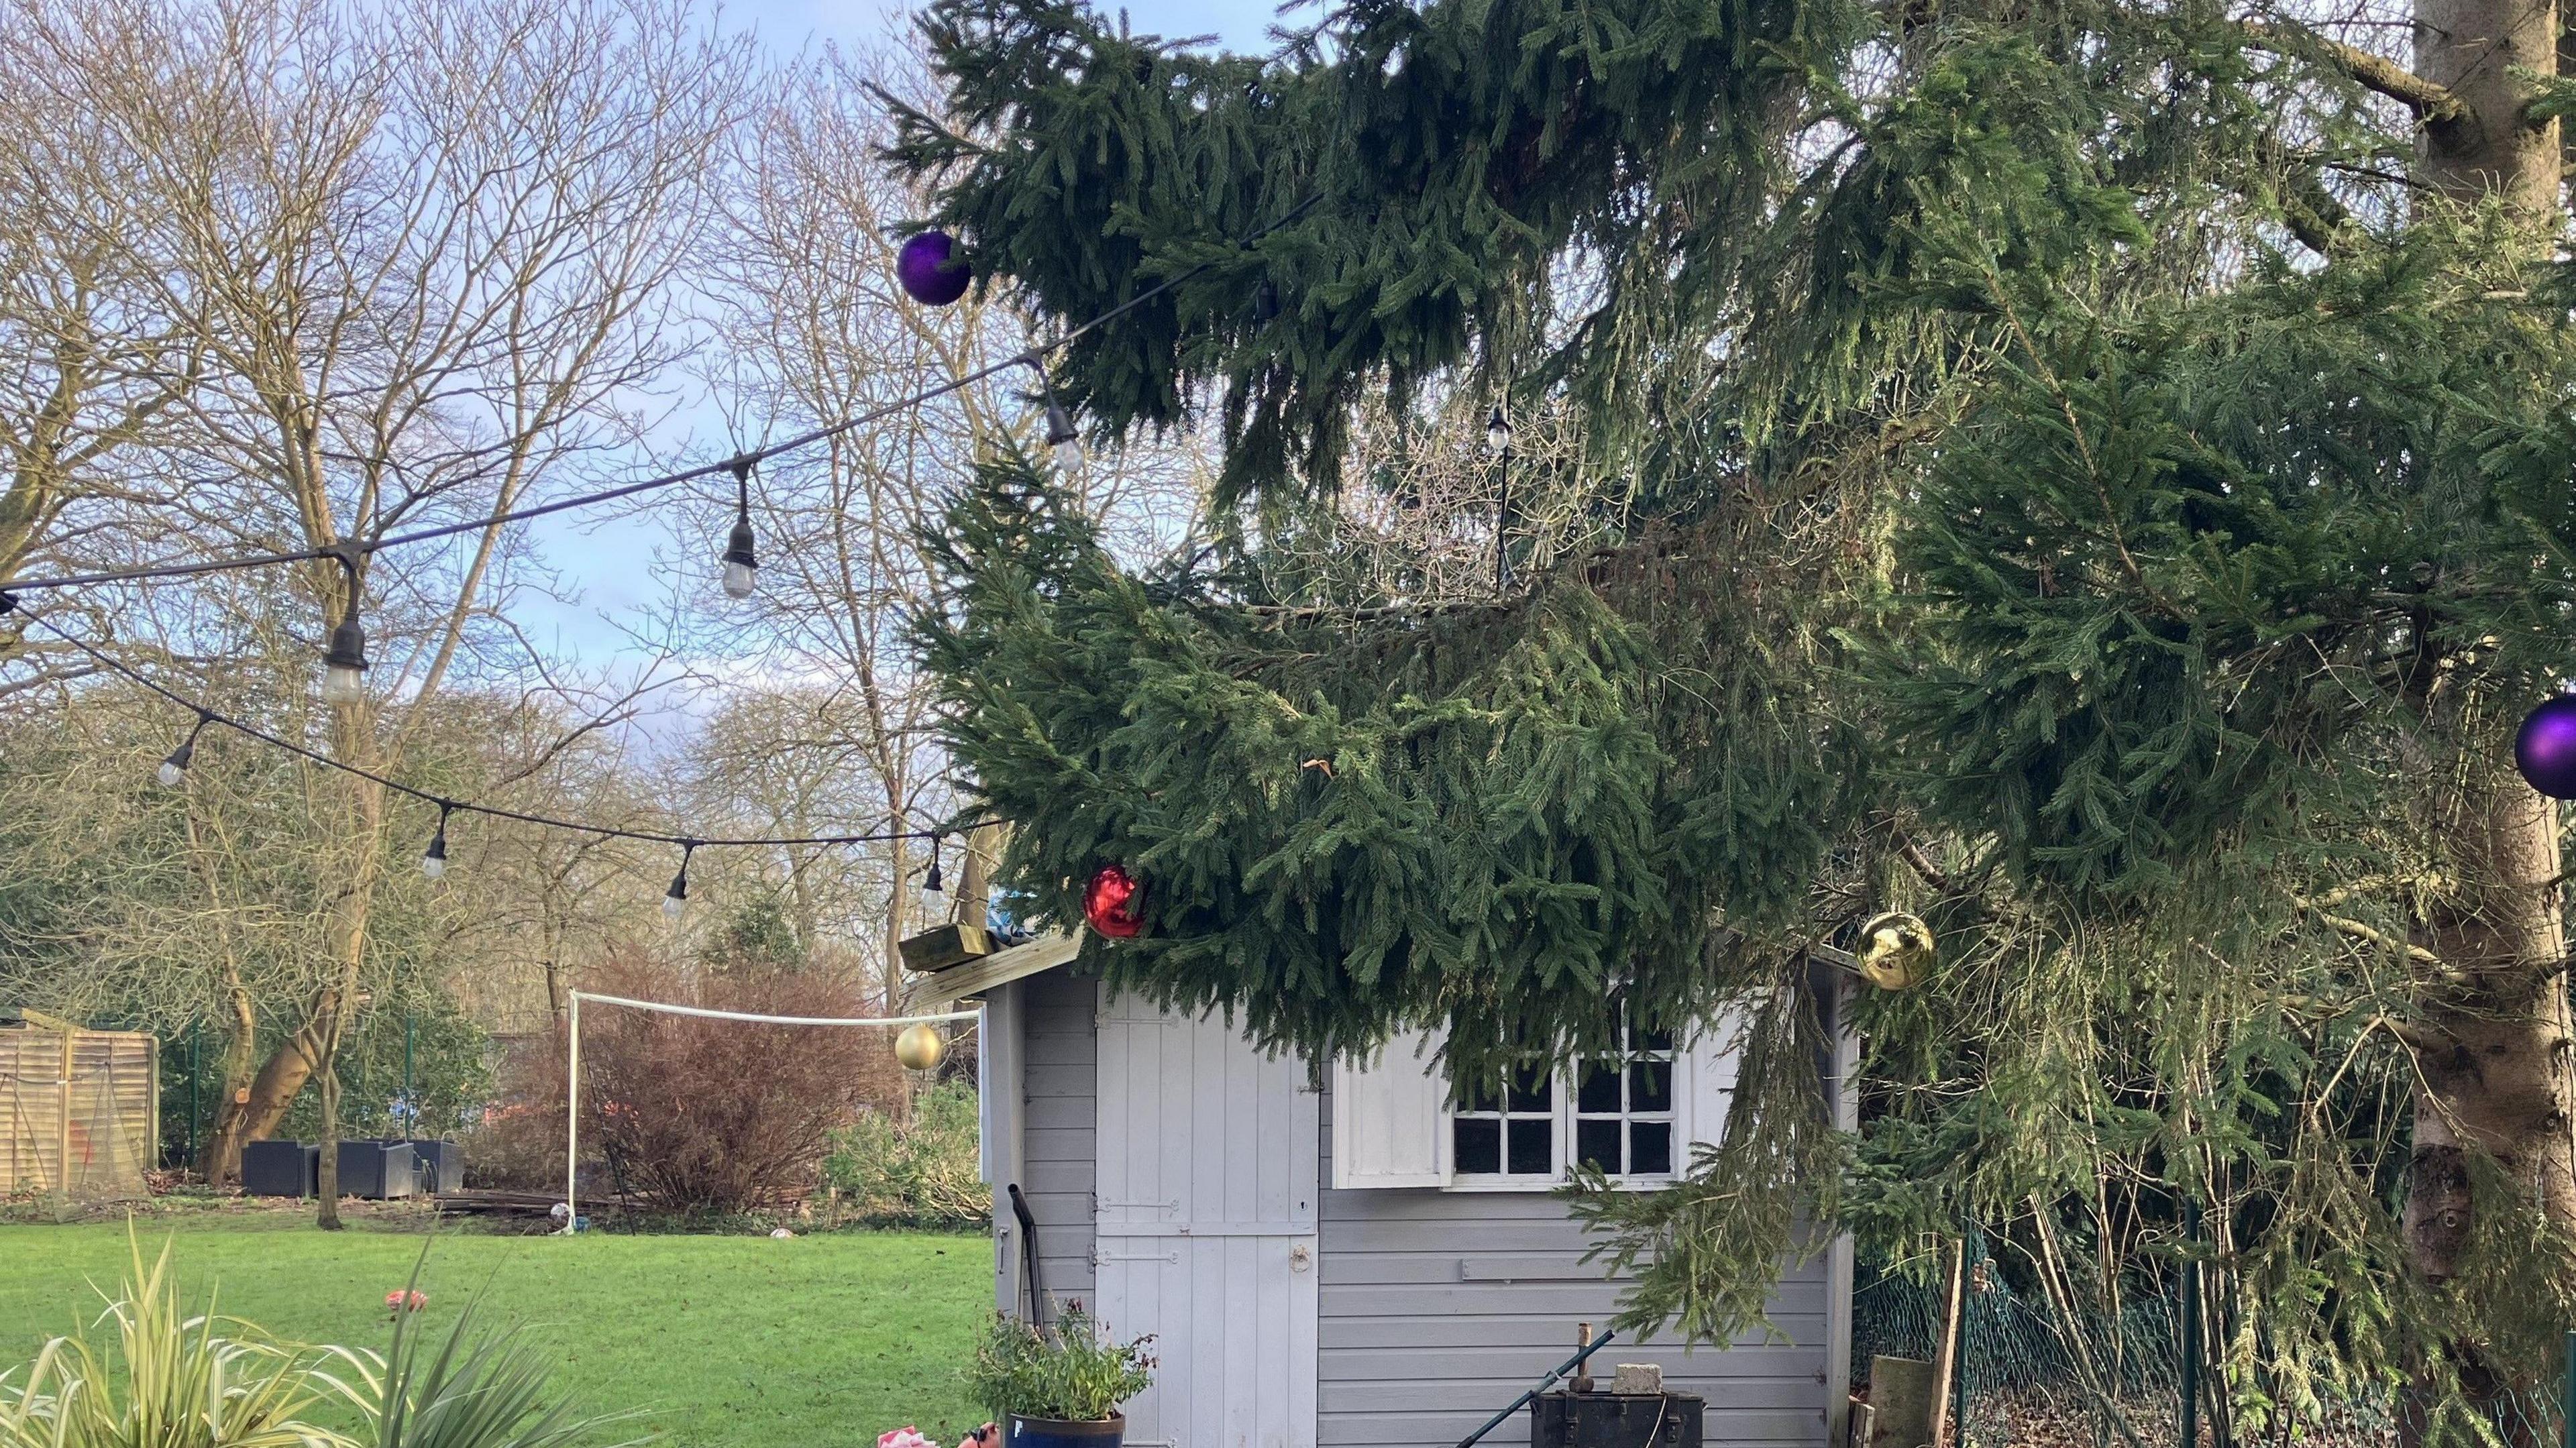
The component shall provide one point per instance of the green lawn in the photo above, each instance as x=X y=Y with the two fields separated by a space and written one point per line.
x=728 y=1342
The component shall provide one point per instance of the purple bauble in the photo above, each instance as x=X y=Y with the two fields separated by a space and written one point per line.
x=931 y=271
x=2545 y=750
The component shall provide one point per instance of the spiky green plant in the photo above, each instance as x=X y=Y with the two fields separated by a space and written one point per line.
x=475 y=1389
x=169 y=1379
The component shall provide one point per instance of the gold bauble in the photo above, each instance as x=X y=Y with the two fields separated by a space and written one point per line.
x=1896 y=951
x=920 y=1047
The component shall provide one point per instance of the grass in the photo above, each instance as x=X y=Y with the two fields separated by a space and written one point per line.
x=725 y=1342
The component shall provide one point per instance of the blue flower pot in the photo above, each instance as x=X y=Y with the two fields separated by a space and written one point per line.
x=1025 y=1432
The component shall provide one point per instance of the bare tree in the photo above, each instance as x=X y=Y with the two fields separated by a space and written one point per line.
x=427 y=252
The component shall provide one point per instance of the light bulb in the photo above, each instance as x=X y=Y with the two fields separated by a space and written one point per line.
x=934 y=904
x=171 y=772
x=344 y=677
x=741 y=556
x=1498 y=433
x=341 y=685
x=434 y=866
x=1063 y=437
x=676 y=899
x=433 y=861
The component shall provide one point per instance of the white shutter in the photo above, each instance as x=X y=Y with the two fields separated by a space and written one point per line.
x=1710 y=1055
x=1391 y=1116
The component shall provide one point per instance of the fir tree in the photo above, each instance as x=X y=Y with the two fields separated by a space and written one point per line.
x=2069 y=482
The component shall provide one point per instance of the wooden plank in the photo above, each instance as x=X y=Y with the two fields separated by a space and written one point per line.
x=945 y=988
x=945 y=947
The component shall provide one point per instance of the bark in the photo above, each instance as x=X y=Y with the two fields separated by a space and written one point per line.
x=2493 y=1052
x=2493 y=1045
x=219 y=1159
x=2480 y=51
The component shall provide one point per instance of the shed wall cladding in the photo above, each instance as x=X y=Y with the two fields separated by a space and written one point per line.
x=1437 y=1307
x=1440 y=1307
x=1058 y=1163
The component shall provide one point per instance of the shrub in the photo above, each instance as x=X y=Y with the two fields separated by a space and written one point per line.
x=1070 y=1371
x=701 y=1116
x=169 y=1380
x=920 y=1173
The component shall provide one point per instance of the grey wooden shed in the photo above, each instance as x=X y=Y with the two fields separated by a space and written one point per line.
x=1356 y=1264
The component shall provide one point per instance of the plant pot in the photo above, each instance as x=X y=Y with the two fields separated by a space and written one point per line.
x=1027 y=1432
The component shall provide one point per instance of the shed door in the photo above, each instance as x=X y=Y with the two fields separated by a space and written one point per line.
x=1206 y=1222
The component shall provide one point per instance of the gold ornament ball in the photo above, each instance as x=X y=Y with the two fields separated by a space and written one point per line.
x=1897 y=951
x=920 y=1047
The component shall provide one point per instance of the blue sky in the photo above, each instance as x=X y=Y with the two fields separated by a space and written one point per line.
x=607 y=564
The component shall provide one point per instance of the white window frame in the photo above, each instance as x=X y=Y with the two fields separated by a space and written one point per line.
x=1393 y=1126
x=1565 y=1111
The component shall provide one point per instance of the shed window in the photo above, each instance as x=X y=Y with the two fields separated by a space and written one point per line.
x=1616 y=1114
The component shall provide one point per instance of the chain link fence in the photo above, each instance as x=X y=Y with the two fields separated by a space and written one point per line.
x=2033 y=1374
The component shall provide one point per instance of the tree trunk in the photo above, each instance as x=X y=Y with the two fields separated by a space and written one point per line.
x=2492 y=1123
x=2493 y=1039
x=219 y=1159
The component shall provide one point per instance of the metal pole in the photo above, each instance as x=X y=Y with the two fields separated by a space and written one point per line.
x=2567 y=1399
x=2191 y=1324
x=411 y=1106
x=1567 y=1366
x=572 y=1109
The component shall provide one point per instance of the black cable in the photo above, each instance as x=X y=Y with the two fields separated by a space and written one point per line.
x=1033 y=358
x=206 y=715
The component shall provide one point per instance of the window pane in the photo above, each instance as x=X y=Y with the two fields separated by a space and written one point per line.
x=1532 y=1152
x=1596 y=1143
x=1651 y=1041
x=1476 y=1147
x=1599 y=1094
x=1481 y=1096
x=1650 y=1086
x=1532 y=1089
x=1650 y=1147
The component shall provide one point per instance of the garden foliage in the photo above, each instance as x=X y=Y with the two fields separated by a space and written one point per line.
x=1073 y=1370
x=2055 y=479
x=920 y=1171
x=723 y=1117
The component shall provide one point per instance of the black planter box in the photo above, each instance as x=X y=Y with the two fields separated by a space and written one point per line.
x=1616 y=1420
x=280 y=1168
x=441 y=1165
x=377 y=1170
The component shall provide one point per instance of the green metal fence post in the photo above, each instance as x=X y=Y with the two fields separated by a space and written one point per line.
x=195 y=1061
x=2567 y=1399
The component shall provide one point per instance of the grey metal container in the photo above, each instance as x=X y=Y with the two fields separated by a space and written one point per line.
x=280 y=1168
x=377 y=1170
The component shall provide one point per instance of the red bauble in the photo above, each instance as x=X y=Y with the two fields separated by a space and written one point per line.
x=1115 y=904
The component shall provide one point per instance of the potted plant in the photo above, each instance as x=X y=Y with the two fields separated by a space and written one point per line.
x=1059 y=1386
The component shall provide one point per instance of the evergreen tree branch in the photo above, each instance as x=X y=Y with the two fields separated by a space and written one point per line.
x=2431 y=102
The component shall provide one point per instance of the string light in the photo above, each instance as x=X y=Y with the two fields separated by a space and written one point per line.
x=1063 y=437
x=433 y=860
x=676 y=899
x=741 y=559
x=311 y=756
x=344 y=663
x=934 y=900
x=798 y=443
x=1498 y=432
x=175 y=768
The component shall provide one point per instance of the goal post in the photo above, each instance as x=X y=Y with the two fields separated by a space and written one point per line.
x=572 y=1062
